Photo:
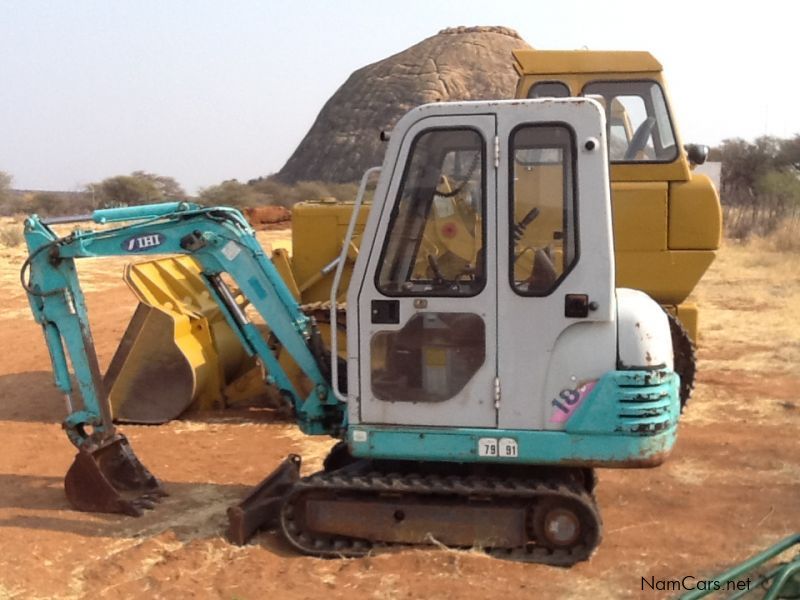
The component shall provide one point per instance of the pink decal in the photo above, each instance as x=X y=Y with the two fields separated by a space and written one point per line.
x=568 y=400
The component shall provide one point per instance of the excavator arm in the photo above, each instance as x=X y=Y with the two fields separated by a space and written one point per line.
x=222 y=243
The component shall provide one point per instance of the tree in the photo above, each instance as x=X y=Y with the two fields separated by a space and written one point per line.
x=167 y=187
x=760 y=186
x=789 y=154
x=743 y=163
x=232 y=193
x=137 y=188
x=47 y=203
x=779 y=192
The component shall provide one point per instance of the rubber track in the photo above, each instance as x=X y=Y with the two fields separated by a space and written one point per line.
x=374 y=484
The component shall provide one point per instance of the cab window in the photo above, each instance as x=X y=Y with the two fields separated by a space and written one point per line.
x=435 y=241
x=639 y=127
x=431 y=359
x=543 y=230
x=548 y=89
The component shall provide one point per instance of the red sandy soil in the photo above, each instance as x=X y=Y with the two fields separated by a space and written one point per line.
x=731 y=487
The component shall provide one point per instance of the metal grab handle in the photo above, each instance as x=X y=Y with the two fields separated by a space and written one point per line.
x=337 y=278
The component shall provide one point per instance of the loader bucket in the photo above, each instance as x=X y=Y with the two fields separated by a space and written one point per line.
x=149 y=379
x=178 y=351
x=110 y=478
x=261 y=507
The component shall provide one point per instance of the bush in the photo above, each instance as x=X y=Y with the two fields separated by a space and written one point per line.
x=761 y=210
x=760 y=185
x=46 y=203
x=13 y=204
x=268 y=191
x=137 y=188
x=232 y=193
x=11 y=236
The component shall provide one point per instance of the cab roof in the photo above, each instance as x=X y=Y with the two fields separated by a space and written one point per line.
x=544 y=62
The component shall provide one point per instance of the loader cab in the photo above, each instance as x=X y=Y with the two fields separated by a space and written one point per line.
x=667 y=218
x=480 y=335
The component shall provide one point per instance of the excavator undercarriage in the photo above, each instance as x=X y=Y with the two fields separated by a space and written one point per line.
x=352 y=507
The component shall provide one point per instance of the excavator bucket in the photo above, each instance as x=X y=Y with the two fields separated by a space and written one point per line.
x=110 y=478
x=178 y=352
x=261 y=507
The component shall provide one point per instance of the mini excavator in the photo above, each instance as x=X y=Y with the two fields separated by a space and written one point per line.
x=475 y=398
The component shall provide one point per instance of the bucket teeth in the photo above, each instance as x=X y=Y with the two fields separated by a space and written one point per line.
x=110 y=478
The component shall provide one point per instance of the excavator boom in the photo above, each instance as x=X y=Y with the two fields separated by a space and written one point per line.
x=222 y=243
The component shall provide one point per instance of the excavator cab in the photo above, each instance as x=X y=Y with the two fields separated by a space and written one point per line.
x=430 y=347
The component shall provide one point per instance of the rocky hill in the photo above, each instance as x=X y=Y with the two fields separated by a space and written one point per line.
x=462 y=63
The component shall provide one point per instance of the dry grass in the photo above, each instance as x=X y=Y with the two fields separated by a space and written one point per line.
x=749 y=298
x=786 y=237
x=11 y=235
x=749 y=328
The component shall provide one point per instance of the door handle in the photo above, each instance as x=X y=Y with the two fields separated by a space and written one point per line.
x=386 y=312
x=577 y=306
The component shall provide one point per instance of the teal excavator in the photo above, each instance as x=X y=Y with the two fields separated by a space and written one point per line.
x=472 y=405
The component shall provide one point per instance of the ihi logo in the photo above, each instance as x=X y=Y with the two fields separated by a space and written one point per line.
x=140 y=243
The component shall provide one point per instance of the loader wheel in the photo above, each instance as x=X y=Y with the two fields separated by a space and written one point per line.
x=684 y=358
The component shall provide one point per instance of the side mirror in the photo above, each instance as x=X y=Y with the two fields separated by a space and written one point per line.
x=697 y=153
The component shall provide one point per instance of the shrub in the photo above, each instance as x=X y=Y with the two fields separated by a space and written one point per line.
x=232 y=193
x=11 y=236
x=13 y=204
x=46 y=203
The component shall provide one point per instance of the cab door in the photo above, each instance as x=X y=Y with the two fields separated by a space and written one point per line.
x=427 y=309
x=556 y=331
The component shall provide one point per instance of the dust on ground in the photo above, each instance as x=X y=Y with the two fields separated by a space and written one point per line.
x=730 y=488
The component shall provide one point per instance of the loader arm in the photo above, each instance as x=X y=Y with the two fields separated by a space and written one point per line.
x=222 y=242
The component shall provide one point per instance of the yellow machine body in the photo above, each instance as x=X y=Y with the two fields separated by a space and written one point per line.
x=318 y=232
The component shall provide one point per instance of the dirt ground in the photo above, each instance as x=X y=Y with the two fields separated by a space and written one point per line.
x=731 y=487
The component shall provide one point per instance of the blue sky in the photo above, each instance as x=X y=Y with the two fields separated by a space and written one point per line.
x=205 y=91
